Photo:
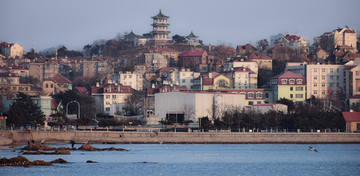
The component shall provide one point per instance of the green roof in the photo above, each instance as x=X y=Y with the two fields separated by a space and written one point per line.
x=160 y=24
x=160 y=32
x=160 y=15
x=191 y=35
x=132 y=35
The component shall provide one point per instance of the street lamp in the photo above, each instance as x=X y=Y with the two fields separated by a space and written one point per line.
x=67 y=107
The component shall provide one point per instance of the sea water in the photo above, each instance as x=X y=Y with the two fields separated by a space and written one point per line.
x=199 y=159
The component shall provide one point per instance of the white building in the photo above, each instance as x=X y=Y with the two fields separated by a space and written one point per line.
x=325 y=79
x=195 y=105
x=244 y=78
x=296 y=67
x=183 y=77
x=246 y=64
x=132 y=79
x=107 y=97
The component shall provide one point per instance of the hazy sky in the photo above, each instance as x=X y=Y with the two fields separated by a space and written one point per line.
x=75 y=23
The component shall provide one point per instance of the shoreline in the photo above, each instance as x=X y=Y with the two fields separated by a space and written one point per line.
x=13 y=138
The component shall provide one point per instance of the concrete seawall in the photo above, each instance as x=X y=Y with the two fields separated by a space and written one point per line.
x=19 y=137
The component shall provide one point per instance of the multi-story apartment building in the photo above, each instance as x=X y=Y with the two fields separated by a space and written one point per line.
x=252 y=65
x=192 y=59
x=110 y=97
x=244 y=78
x=183 y=77
x=296 y=67
x=262 y=60
x=290 y=40
x=341 y=37
x=288 y=85
x=56 y=84
x=11 y=50
x=325 y=79
x=44 y=70
x=131 y=79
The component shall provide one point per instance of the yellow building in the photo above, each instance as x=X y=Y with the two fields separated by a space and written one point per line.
x=213 y=80
x=289 y=85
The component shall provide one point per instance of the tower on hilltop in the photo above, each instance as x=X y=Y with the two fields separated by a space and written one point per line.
x=160 y=32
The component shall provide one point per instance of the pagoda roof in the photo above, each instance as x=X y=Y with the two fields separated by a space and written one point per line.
x=160 y=32
x=160 y=15
x=191 y=35
x=160 y=24
x=131 y=35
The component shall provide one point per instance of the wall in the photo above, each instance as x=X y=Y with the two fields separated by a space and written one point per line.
x=183 y=137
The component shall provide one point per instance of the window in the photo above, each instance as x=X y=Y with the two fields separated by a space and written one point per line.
x=315 y=69
x=124 y=76
x=250 y=95
x=299 y=95
x=291 y=96
x=251 y=102
x=315 y=92
x=183 y=81
x=299 y=81
x=130 y=76
x=322 y=84
x=299 y=88
x=292 y=81
x=46 y=85
x=107 y=96
x=107 y=103
x=323 y=69
x=315 y=77
x=113 y=96
x=266 y=95
x=14 y=88
x=291 y=88
x=331 y=84
x=107 y=109
x=323 y=77
x=283 y=81
x=331 y=70
x=331 y=77
x=358 y=126
x=323 y=92
x=258 y=95
x=52 y=85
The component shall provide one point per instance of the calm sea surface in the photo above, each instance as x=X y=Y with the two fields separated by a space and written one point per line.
x=200 y=159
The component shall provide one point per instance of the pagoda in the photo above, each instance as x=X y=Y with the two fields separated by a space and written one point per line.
x=160 y=32
x=192 y=38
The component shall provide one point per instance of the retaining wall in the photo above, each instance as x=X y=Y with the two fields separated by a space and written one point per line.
x=19 y=137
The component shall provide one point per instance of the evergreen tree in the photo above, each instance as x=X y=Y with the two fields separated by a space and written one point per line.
x=15 y=116
x=32 y=114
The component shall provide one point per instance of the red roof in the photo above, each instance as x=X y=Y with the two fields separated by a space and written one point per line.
x=166 y=69
x=81 y=90
x=269 y=104
x=288 y=74
x=243 y=69
x=192 y=54
x=112 y=89
x=257 y=55
x=351 y=56
x=351 y=116
x=292 y=37
x=59 y=79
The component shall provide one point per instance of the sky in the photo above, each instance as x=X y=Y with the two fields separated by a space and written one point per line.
x=42 y=24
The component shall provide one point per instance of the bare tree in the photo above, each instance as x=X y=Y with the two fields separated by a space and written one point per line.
x=189 y=113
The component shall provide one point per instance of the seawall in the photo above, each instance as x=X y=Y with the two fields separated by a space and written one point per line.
x=21 y=137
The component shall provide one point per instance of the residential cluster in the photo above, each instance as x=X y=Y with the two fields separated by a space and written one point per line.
x=181 y=79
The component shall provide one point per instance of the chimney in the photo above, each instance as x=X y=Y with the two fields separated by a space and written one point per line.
x=210 y=75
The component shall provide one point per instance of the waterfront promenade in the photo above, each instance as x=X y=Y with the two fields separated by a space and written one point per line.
x=22 y=137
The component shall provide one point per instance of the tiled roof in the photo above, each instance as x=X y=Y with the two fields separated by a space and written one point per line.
x=257 y=55
x=114 y=89
x=166 y=69
x=59 y=79
x=288 y=74
x=160 y=15
x=81 y=90
x=351 y=56
x=192 y=54
x=349 y=67
x=351 y=116
x=247 y=47
x=292 y=37
x=243 y=69
x=9 y=75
